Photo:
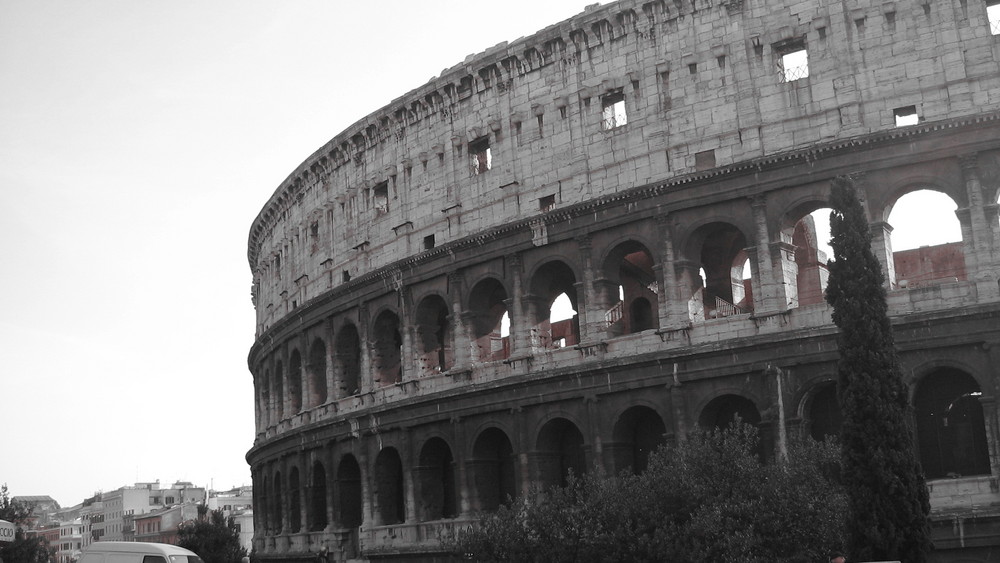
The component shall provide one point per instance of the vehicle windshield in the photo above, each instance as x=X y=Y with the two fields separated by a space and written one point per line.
x=185 y=559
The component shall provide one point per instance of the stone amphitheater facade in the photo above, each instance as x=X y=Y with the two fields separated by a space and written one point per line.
x=634 y=160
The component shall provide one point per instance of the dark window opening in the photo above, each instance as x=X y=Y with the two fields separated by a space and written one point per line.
x=345 y=276
x=428 y=242
x=546 y=203
x=704 y=160
x=482 y=158
x=380 y=198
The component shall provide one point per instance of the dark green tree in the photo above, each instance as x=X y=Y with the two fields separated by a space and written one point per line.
x=708 y=500
x=23 y=549
x=888 y=496
x=213 y=537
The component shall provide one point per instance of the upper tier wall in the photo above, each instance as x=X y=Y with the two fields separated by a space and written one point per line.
x=702 y=85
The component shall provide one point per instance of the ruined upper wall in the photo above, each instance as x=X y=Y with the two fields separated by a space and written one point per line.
x=703 y=87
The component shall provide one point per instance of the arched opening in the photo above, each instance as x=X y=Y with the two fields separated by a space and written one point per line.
x=804 y=269
x=276 y=509
x=951 y=428
x=638 y=432
x=387 y=349
x=722 y=258
x=721 y=411
x=349 y=491
x=554 y=324
x=278 y=381
x=492 y=468
x=487 y=311
x=317 y=373
x=434 y=335
x=348 y=361
x=317 y=503
x=294 y=501
x=436 y=475
x=390 y=504
x=629 y=290
x=295 y=381
x=559 y=451
x=824 y=416
x=921 y=255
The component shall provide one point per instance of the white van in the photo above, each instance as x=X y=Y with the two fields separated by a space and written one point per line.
x=136 y=552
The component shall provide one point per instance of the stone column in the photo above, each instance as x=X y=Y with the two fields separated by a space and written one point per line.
x=408 y=459
x=286 y=373
x=990 y=419
x=464 y=505
x=533 y=308
x=366 y=381
x=462 y=341
x=688 y=282
x=367 y=490
x=330 y=374
x=589 y=316
x=882 y=248
x=520 y=341
x=594 y=435
x=786 y=273
x=409 y=367
x=672 y=299
x=771 y=298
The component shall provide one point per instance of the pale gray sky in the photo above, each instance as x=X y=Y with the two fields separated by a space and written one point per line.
x=138 y=140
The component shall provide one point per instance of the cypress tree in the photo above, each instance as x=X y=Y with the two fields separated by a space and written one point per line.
x=888 y=500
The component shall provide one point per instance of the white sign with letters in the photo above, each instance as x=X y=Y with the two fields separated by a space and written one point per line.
x=6 y=531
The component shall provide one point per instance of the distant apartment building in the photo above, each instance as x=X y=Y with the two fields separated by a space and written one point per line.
x=121 y=506
x=160 y=526
x=70 y=541
x=92 y=517
x=238 y=504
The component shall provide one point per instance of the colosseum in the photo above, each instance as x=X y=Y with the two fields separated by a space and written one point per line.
x=570 y=249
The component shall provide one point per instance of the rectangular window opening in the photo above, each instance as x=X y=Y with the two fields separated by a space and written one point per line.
x=345 y=276
x=547 y=203
x=794 y=62
x=906 y=116
x=613 y=111
x=482 y=158
x=993 y=15
x=380 y=198
x=428 y=242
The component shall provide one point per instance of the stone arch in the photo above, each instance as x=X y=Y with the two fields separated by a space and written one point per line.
x=951 y=427
x=294 y=501
x=295 y=381
x=347 y=360
x=349 y=492
x=723 y=409
x=487 y=309
x=805 y=279
x=434 y=335
x=629 y=288
x=316 y=518
x=436 y=477
x=317 y=373
x=387 y=348
x=719 y=250
x=637 y=433
x=821 y=411
x=493 y=469
x=390 y=499
x=549 y=281
x=559 y=450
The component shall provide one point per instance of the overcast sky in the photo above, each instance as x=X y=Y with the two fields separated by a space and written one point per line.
x=138 y=141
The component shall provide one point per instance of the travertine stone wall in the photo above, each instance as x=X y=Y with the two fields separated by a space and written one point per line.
x=702 y=88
